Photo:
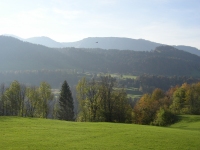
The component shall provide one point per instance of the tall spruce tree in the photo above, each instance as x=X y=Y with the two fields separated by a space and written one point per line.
x=66 y=111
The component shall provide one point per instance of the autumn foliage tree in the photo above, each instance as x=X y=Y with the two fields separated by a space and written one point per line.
x=148 y=107
x=161 y=108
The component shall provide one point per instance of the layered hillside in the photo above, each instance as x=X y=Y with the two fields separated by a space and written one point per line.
x=19 y=55
x=119 y=43
x=164 y=60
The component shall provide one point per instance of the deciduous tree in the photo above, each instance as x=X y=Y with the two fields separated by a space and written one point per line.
x=45 y=97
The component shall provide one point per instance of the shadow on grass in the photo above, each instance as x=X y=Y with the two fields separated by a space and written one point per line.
x=5 y=118
x=189 y=118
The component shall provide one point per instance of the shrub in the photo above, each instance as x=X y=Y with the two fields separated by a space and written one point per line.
x=164 y=118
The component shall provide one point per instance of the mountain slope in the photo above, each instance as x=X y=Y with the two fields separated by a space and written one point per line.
x=164 y=60
x=114 y=43
x=189 y=49
x=19 y=55
x=124 y=44
x=107 y=43
x=44 y=41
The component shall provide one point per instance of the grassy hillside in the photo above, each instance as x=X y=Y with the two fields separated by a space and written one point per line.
x=188 y=122
x=32 y=133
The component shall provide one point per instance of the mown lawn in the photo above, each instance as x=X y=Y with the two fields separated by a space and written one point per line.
x=32 y=133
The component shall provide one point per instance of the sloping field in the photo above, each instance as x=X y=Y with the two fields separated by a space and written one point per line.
x=188 y=122
x=32 y=133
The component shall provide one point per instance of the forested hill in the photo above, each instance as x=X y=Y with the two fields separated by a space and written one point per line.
x=114 y=43
x=18 y=55
x=164 y=60
x=119 y=43
x=124 y=44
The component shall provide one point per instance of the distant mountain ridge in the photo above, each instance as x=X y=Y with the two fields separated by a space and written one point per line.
x=114 y=43
x=18 y=55
x=46 y=41
x=106 y=43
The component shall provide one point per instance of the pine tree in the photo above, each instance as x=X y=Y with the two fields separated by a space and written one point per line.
x=66 y=111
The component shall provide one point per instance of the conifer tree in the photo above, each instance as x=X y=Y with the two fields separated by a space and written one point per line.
x=66 y=111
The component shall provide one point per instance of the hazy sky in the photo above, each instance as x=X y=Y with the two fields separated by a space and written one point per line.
x=174 y=22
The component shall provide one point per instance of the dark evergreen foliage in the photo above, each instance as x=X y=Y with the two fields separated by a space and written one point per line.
x=66 y=111
x=147 y=83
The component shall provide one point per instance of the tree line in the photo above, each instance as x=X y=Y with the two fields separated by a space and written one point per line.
x=100 y=100
x=26 y=101
x=161 y=108
x=147 y=83
x=34 y=77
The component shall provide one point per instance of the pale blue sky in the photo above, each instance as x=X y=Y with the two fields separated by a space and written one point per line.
x=173 y=22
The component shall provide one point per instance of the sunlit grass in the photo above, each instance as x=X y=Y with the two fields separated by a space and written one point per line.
x=134 y=96
x=32 y=133
x=129 y=76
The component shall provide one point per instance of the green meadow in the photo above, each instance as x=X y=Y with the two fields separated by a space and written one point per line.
x=188 y=122
x=35 y=133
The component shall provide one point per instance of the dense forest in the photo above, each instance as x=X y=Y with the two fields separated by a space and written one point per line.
x=164 y=60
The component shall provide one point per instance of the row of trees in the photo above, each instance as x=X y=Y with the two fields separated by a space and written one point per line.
x=161 y=108
x=99 y=100
x=34 y=77
x=147 y=83
x=20 y=100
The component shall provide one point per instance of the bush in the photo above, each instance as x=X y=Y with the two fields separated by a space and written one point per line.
x=164 y=118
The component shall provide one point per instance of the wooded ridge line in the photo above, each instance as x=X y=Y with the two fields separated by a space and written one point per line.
x=164 y=60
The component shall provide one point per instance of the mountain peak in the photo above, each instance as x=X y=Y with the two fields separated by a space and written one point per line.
x=46 y=41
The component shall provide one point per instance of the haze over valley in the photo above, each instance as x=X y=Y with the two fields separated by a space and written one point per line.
x=100 y=74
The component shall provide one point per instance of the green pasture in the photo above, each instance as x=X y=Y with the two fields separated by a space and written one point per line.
x=188 y=122
x=133 y=93
x=121 y=76
x=129 y=76
x=32 y=133
x=134 y=96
